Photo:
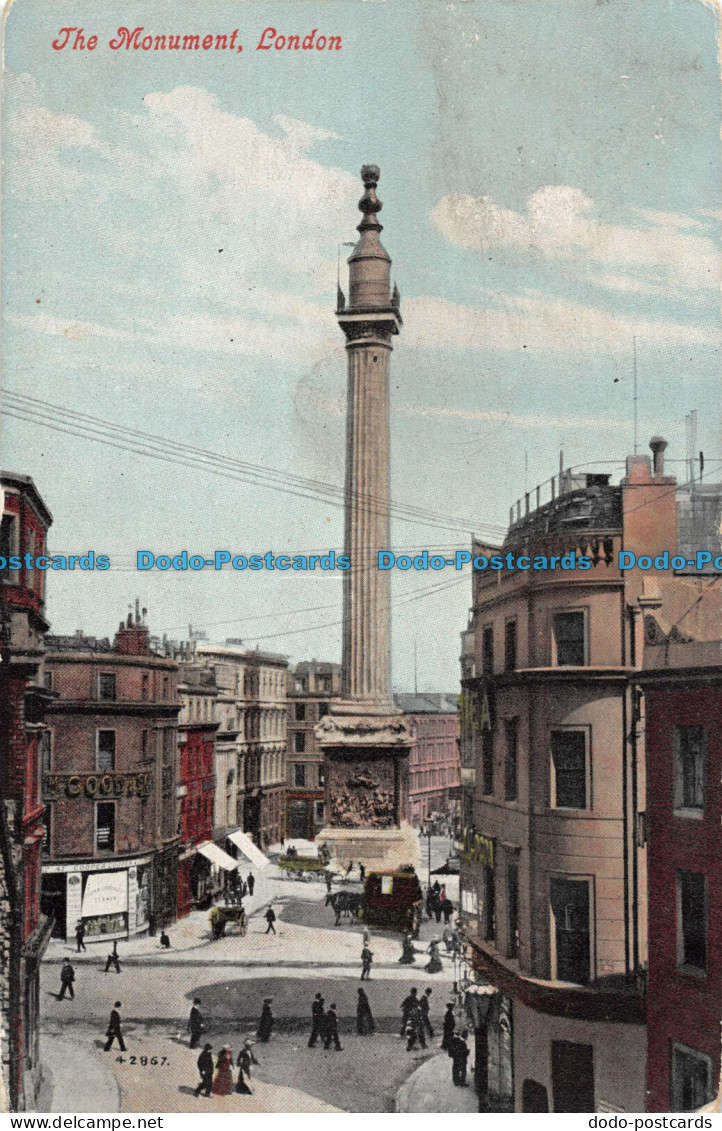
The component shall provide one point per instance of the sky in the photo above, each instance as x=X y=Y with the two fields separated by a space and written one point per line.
x=550 y=175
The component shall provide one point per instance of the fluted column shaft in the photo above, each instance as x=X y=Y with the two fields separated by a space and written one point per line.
x=366 y=644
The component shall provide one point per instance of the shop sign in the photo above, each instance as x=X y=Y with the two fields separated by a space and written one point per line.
x=478 y=849
x=96 y=785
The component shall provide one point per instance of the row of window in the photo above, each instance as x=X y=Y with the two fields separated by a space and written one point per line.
x=571 y=776
x=569 y=642
x=570 y=903
x=303 y=712
x=106 y=686
x=307 y=775
x=431 y=779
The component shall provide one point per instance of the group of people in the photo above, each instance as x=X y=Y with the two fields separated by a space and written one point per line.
x=408 y=954
x=438 y=903
x=221 y=1084
x=237 y=888
x=324 y=1024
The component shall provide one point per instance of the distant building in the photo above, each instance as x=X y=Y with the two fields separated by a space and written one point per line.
x=197 y=728
x=682 y=684
x=699 y=513
x=24 y=930
x=312 y=685
x=110 y=787
x=434 y=756
x=251 y=711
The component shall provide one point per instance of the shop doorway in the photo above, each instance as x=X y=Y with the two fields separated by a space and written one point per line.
x=572 y=1076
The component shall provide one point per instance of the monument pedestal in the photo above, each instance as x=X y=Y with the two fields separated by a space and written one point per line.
x=366 y=762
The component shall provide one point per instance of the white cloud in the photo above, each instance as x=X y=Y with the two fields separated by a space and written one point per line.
x=665 y=252
x=510 y=323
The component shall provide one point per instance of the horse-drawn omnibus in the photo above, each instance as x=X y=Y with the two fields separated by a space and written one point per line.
x=392 y=899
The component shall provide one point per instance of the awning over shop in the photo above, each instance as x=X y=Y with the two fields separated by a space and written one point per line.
x=249 y=849
x=217 y=856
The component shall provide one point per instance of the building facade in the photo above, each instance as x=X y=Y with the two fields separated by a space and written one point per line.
x=265 y=747
x=311 y=686
x=251 y=711
x=24 y=930
x=434 y=757
x=553 y=874
x=682 y=684
x=110 y=787
x=197 y=693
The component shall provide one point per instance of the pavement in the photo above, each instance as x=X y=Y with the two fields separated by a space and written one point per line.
x=429 y=1089
x=232 y=975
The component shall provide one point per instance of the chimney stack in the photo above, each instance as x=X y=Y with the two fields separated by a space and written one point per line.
x=657 y=444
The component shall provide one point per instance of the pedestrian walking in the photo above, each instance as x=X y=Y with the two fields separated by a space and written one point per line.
x=270 y=919
x=447 y=909
x=429 y=903
x=349 y=869
x=437 y=908
x=365 y=1024
x=434 y=964
x=80 y=936
x=244 y=1062
x=265 y=1025
x=330 y=1028
x=112 y=959
x=448 y=1026
x=205 y=1067
x=67 y=977
x=459 y=1053
x=415 y=1029
x=195 y=1023
x=408 y=1006
x=408 y=954
x=223 y=1082
x=113 y=1032
x=424 y=1006
x=366 y=960
x=251 y=882
x=361 y=872
x=329 y=880
x=317 y=1014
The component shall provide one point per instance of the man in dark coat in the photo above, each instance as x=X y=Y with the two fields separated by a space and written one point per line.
x=364 y=1018
x=449 y=1026
x=195 y=1023
x=317 y=1013
x=270 y=919
x=80 y=936
x=67 y=977
x=251 y=882
x=265 y=1025
x=366 y=960
x=113 y=1031
x=408 y=1005
x=205 y=1067
x=447 y=909
x=424 y=1004
x=330 y=1028
x=459 y=1053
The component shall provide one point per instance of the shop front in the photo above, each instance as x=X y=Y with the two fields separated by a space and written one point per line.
x=111 y=900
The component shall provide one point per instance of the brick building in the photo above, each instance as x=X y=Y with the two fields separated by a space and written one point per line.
x=434 y=756
x=312 y=684
x=553 y=872
x=110 y=786
x=197 y=693
x=24 y=930
x=682 y=684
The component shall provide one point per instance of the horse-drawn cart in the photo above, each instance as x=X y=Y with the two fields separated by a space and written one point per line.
x=303 y=867
x=220 y=917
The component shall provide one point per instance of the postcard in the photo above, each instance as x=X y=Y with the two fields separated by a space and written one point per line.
x=360 y=558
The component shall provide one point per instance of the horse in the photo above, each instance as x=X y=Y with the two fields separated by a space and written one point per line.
x=344 y=903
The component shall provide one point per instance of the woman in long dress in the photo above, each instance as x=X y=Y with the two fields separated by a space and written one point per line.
x=244 y=1062
x=364 y=1018
x=223 y=1081
x=408 y=954
x=434 y=964
x=265 y=1025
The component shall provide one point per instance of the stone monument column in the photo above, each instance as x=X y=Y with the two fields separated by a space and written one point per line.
x=364 y=738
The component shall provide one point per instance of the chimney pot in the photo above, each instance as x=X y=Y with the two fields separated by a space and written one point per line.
x=657 y=444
